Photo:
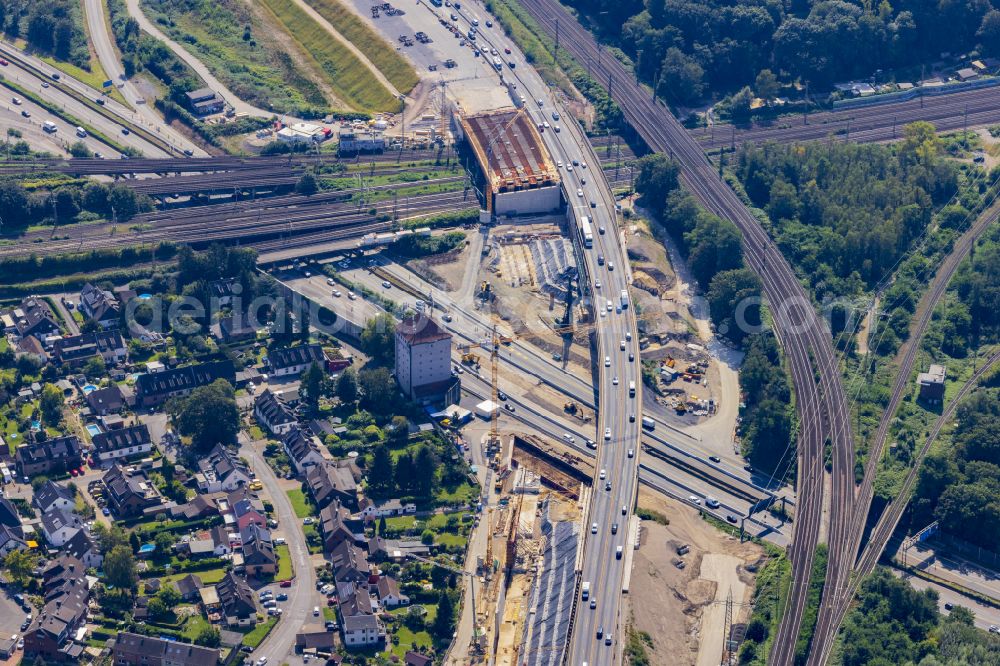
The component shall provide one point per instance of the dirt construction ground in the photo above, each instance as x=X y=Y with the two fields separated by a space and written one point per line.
x=683 y=610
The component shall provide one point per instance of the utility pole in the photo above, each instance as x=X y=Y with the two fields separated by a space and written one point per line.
x=556 y=54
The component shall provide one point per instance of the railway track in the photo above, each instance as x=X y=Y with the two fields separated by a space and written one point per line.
x=882 y=122
x=806 y=343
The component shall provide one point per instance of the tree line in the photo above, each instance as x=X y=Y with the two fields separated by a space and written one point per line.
x=687 y=49
x=53 y=27
x=713 y=251
x=68 y=203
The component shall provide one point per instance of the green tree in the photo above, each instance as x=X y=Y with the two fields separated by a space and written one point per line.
x=380 y=470
x=347 y=386
x=989 y=32
x=425 y=465
x=766 y=85
x=209 y=415
x=50 y=404
x=119 y=568
x=378 y=388
x=307 y=184
x=79 y=149
x=399 y=432
x=311 y=387
x=443 y=625
x=164 y=543
x=208 y=637
x=20 y=566
x=681 y=78
x=740 y=104
x=378 y=339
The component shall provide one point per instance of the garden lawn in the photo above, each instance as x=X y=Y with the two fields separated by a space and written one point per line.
x=403 y=637
x=208 y=577
x=285 y=570
x=300 y=505
x=256 y=636
x=195 y=625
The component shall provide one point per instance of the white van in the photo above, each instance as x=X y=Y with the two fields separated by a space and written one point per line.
x=49 y=126
x=82 y=133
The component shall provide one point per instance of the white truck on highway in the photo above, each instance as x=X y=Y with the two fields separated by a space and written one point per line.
x=586 y=590
x=624 y=299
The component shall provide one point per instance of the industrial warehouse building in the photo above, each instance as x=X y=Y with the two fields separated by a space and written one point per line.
x=521 y=178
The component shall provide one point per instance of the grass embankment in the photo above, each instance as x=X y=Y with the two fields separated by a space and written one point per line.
x=259 y=69
x=350 y=78
x=94 y=78
x=300 y=506
x=772 y=583
x=381 y=54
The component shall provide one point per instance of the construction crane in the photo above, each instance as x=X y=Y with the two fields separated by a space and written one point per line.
x=472 y=588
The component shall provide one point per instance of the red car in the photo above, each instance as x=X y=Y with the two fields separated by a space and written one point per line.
x=331 y=602
x=3 y=62
x=285 y=583
x=80 y=471
x=507 y=51
x=73 y=472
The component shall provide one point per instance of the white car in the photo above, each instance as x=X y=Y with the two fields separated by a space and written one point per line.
x=614 y=380
x=386 y=284
x=593 y=528
x=611 y=306
x=579 y=193
x=569 y=167
x=351 y=296
x=545 y=124
x=568 y=437
x=597 y=284
x=315 y=610
x=559 y=165
x=604 y=474
x=329 y=281
x=16 y=100
x=607 y=361
x=337 y=293
x=621 y=345
x=279 y=541
x=308 y=520
x=584 y=165
x=694 y=499
x=607 y=434
x=611 y=266
x=628 y=335
x=631 y=453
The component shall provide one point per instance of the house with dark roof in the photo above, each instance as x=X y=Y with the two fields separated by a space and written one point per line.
x=75 y=350
x=138 y=650
x=11 y=538
x=9 y=516
x=100 y=306
x=50 y=456
x=34 y=317
x=51 y=495
x=389 y=595
x=315 y=637
x=129 y=493
x=246 y=508
x=236 y=329
x=328 y=482
x=105 y=401
x=199 y=506
x=50 y=635
x=188 y=587
x=221 y=471
x=412 y=658
x=259 y=557
x=423 y=361
x=336 y=526
x=122 y=443
x=350 y=564
x=359 y=624
x=31 y=347
x=302 y=448
x=83 y=547
x=295 y=360
x=59 y=526
x=236 y=601
x=152 y=389
x=273 y=413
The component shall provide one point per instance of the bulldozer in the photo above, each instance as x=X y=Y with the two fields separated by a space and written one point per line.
x=570 y=407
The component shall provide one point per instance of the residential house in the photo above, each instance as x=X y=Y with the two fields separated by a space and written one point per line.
x=11 y=538
x=273 y=413
x=100 y=306
x=152 y=389
x=292 y=361
x=127 y=442
x=389 y=595
x=130 y=493
x=259 y=557
x=222 y=471
x=371 y=510
x=336 y=526
x=83 y=547
x=931 y=384
x=60 y=526
x=138 y=650
x=350 y=564
x=222 y=291
x=247 y=508
x=188 y=587
x=380 y=549
x=302 y=449
x=315 y=637
x=236 y=601
x=30 y=346
x=237 y=329
x=359 y=624
x=48 y=457
x=105 y=401
x=328 y=482
x=34 y=317
x=50 y=635
x=75 y=350
x=52 y=495
x=9 y=517
x=412 y=658
x=200 y=506
x=221 y=539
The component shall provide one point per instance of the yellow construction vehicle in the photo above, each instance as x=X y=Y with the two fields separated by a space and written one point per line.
x=470 y=359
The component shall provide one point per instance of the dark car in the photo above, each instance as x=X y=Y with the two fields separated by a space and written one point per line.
x=509 y=407
x=501 y=395
x=126 y=131
x=949 y=606
x=731 y=518
x=715 y=459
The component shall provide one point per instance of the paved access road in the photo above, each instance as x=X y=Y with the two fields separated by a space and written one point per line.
x=302 y=593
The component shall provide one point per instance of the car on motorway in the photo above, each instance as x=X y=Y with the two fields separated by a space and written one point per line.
x=16 y=100
x=55 y=76
x=509 y=407
x=607 y=639
x=545 y=124
x=631 y=418
x=3 y=62
x=628 y=335
x=591 y=444
x=621 y=345
x=593 y=528
x=631 y=453
x=568 y=437
x=454 y=17
x=126 y=131
x=600 y=631
x=607 y=486
x=569 y=167
x=994 y=629
x=556 y=128
x=731 y=518
x=557 y=357
x=579 y=192
x=610 y=306
x=351 y=296
x=603 y=474
x=631 y=357
x=501 y=395
x=711 y=503
x=607 y=361
x=329 y=281
x=694 y=499
x=597 y=284
x=607 y=433
x=489 y=24
x=624 y=510
x=611 y=266
x=386 y=284
x=614 y=380
x=507 y=51
x=614 y=528
x=601 y=230
x=555 y=116
x=593 y=604
x=45 y=84
x=593 y=204
x=337 y=293
x=188 y=152
x=715 y=459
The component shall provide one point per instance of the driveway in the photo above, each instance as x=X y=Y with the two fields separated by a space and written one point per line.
x=302 y=593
